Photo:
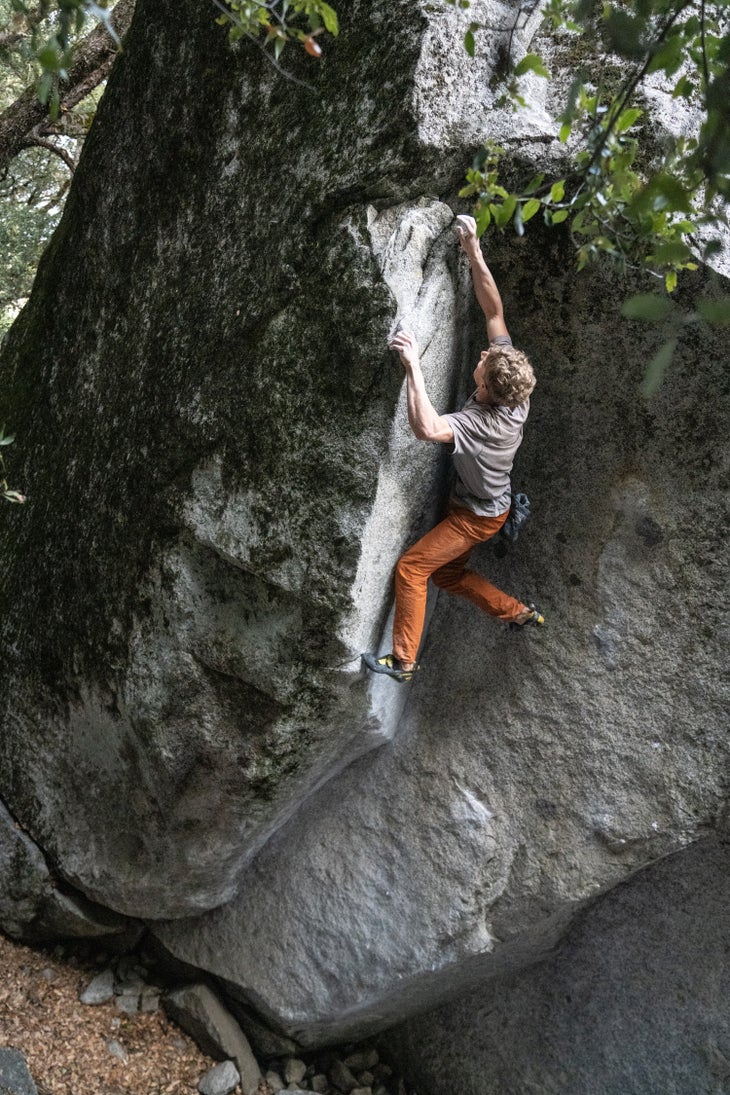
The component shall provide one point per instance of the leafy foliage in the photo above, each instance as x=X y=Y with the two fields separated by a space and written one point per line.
x=279 y=22
x=33 y=185
x=44 y=32
x=621 y=200
x=616 y=204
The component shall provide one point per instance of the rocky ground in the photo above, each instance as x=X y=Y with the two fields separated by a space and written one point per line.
x=90 y=1023
x=74 y=1049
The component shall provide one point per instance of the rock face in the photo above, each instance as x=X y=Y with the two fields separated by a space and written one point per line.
x=32 y=905
x=634 y=1000
x=222 y=480
x=203 y=460
x=530 y=771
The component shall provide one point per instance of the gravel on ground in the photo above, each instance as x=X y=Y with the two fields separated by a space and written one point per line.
x=67 y=1044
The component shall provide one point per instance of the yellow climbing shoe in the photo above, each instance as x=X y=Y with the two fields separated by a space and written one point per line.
x=535 y=619
x=389 y=665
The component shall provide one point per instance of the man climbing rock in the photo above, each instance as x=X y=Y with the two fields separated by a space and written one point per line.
x=483 y=438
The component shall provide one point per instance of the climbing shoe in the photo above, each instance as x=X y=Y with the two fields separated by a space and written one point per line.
x=389 y=665
x=535 y=619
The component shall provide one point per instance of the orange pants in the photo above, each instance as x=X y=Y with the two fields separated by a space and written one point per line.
x=442 y=554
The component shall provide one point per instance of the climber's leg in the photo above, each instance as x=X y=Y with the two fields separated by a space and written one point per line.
x=451 y=541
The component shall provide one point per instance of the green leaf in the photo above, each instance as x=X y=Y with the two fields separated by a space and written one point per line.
x=44 y=87
x=683 y=89
x=503 y=213
x=469 y=43
x=6 y=440
x=48 y=59
x=626 y=119
x=657 y=367
x=716 y=312
x=565 y=131
x=483 y=218
x=531 y=62
x=329 y=17
x=669 y=57
x=533 y=184
x=530 y=208
x=671 y=253
x=560 y=215
x=557 y=191
x=625 y=33
x=646 y=306
x=670 y=281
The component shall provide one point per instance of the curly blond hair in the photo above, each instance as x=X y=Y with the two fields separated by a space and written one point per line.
x=508 y=375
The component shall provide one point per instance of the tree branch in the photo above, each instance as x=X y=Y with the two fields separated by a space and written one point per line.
x=42 y=142
x=93 y=58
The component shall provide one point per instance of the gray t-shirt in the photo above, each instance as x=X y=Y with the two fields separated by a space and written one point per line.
x=486 y=439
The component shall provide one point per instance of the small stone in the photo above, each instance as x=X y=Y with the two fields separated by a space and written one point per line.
x=200 y=1013
x=275 y=1082
x=366 y=1079
x=320 y=1083
x=382 y=1071
x=294 y=1070
x=381 y=1089
x=117 y=1050
x=132 y=985
x=128 y=1004
x=150 y=1003
x=100 y=990
x=14 y=1075
x=362 y=1060
x=342 y=1078
x=361 y=1091
x=49 y=974
x=115 y=1023
x=128 y=965
x=220 y=1080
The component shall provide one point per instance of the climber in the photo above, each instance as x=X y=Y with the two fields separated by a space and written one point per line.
x=483 y=438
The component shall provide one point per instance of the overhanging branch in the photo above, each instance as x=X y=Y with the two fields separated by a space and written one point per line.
x=93 y=58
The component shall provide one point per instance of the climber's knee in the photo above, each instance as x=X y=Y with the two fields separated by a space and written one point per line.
x=447 y=578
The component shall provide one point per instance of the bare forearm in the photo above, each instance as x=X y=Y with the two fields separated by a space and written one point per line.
x=485 y=286
x=426 y=423
x=421 y=413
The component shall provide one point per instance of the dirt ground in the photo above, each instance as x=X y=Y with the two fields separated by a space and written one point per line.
x=66 y=1043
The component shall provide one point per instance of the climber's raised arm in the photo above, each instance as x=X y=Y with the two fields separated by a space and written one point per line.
x=485 y=286
x=424 y=420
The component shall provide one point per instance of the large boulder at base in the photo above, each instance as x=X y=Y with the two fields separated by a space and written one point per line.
x=32 y=904
x=633 y=1003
